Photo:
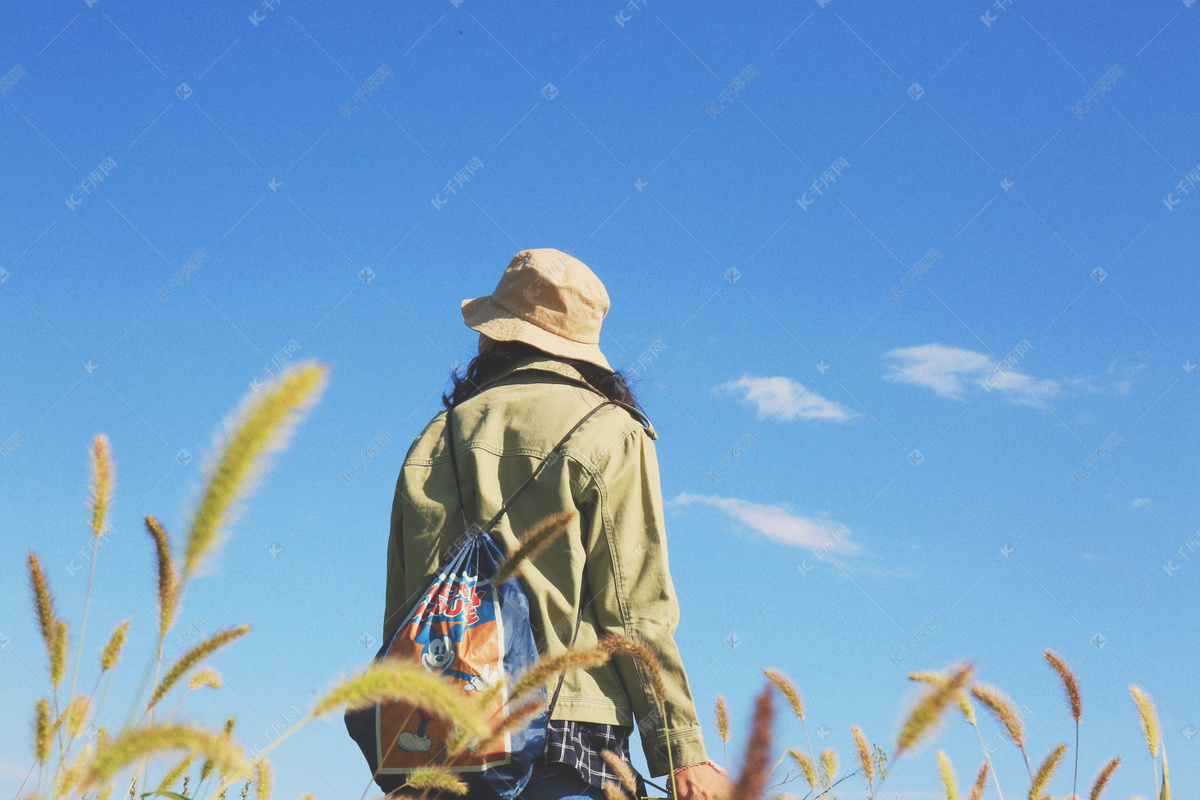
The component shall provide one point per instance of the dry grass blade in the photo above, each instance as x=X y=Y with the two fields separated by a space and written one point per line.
x=112 y=650
x=261 y=425
x=1002 y=709
x=1149 y=719
x=1069 y=681
x=195 y=656
x=137 y=743
x=806 y=766
x=929 y=709
x=167 y=579
x=532 y=545
x=1102 y=778
x=949 y=779
x=407 y=680
x=863 y=751
x=623 y=770
x=1046 y=772
x=619 y=644
x=102 y=483
x=547 y=668
x=980 y=782
x=436 y=779
x=756 y=764
x=722 y=720
x=788 y=690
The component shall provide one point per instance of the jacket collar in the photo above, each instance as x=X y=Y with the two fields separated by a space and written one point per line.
x=554 y=366
x=539 y=364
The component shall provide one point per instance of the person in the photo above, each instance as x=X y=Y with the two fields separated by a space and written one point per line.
x=538 y=372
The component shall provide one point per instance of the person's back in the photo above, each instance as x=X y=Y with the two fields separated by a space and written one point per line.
x=611 y=561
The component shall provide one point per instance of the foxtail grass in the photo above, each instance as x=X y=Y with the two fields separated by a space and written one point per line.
x=533 y=544
x=623 y=770
x=928 y=709
x=949 y=779
x=723 y=727
x=752 y=780
x=1102 y=779
x=1071 y=687
x=193 y=657
x=980 y=785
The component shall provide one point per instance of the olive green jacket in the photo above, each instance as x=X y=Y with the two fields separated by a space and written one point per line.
x=608 y=472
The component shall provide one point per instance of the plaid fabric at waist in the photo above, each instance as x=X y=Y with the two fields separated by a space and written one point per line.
x=579 y=744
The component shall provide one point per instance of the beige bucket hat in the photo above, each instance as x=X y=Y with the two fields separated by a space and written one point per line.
x=547 y=299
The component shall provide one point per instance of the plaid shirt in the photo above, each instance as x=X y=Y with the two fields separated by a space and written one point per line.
x=580 y=744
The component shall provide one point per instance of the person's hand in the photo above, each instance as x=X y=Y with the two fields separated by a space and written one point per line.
x=700 y=782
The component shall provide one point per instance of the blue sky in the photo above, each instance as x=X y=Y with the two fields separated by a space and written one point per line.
x=903 y=290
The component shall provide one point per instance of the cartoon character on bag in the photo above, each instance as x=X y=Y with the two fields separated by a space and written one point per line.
x=436 y=657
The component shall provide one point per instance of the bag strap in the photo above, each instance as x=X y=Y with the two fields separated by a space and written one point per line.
x=546 y=459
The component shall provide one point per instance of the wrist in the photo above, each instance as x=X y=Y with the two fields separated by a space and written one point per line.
x=719 y=769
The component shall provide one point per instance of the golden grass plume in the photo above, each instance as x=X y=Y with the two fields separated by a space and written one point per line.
x=43 y=601
x=264 y=779
x=546 y=668
x=76 y=714
x=1069 y=681
x=1002 y=709
x=1102 y=778
x=1046 y=772
x=138 y=743
x=260 y=425
x=980 y=782
x=1148 y=717
x=436 y=779
x=176 y=772
x=829 y=765
x=620 y=644
x=168 y=581
x=533 y=543
x=863 y=752
x=205 y=677
x=623 y=770
x=788 y=690
x=929 y=708
x=195 y=656
x=407 y=680
x=722 y=720
x=806 y=766
x=949 y=779
x=42 y=732
x=102 y=483
x=116 y=643
x=58 y=653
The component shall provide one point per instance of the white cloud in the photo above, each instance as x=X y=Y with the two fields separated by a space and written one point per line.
x=780 y=525
x=787 y=399
x=952 y=372
x=1138 y=502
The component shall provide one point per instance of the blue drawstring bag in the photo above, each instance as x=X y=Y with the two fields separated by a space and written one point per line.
x=473 y=632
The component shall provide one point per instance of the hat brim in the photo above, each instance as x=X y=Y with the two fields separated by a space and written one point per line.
x=485 y=316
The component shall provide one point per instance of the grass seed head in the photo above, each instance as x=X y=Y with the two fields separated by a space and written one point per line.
x=42 y=732
x=619 y=644
x=756 y=764
x=102 y=483
x=436 y=779
x=1070 y=683
x=168 y=580
x=863 y=751
x=195 y=656
x=928 y=709
x=722 y=720
x=43 y=601
x=1046 y=771
x=623 y=770
x=58 y=653
x=533 y=544
x=980 y=783
x=112 y=650
x=806 y=766
x=1002 y=709
x=788 y=690
x=949 y=779
x=1148 y=717
x=1102 y=778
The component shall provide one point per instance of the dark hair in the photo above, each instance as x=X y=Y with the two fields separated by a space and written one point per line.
x=501 y=355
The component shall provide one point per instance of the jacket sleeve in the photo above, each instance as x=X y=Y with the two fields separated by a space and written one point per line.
x=633 y=595
x=395 y=592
